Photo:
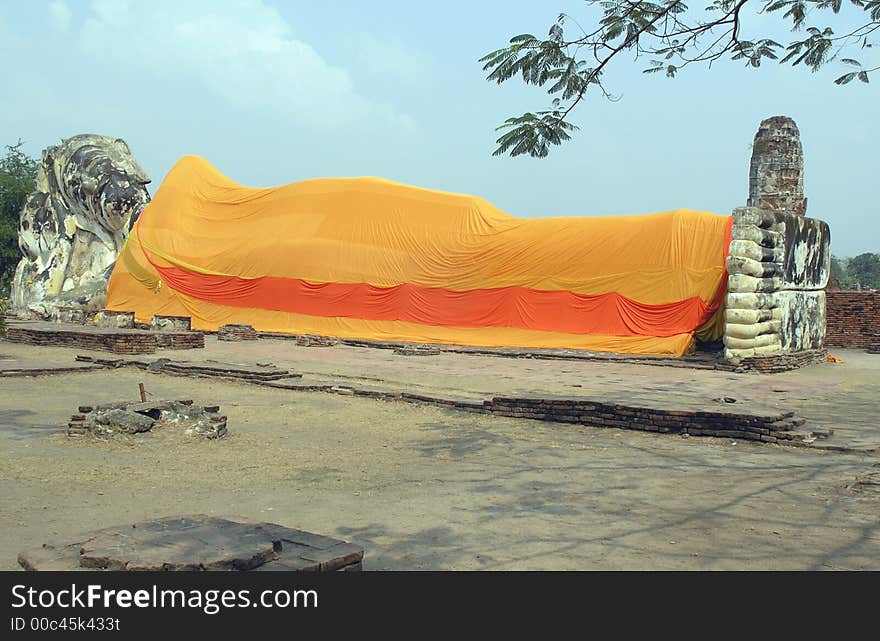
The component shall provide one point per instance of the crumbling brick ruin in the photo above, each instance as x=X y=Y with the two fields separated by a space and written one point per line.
x=112 y=333
x=776 y=173
x=234 y=332
x=123 y=418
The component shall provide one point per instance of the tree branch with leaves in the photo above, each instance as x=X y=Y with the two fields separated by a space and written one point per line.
x=17 y=179
x=672 y=36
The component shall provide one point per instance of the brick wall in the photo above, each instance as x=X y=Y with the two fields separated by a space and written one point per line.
x=119 y=342
x=853 y=319
x=115 y=340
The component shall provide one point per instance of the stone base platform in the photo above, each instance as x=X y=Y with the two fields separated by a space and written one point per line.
x=196 y=544
x=108 y=339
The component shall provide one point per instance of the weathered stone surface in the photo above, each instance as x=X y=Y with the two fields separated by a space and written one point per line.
x=234 y=332
x=179 y=544
x=416 y=351
x=776 y=304
x=108 y=318
x=776 y=172
x=807 y=262
x=803 y=320
x=119 y=420
x=171 y=323
x=109 y=419
x=52 y=558
x=307 y=340
x=90 y=189
x=197 y=543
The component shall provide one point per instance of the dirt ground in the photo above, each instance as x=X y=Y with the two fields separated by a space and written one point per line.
x=422 y=487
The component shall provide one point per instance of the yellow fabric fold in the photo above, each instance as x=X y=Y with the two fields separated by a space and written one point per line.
x=382 y=233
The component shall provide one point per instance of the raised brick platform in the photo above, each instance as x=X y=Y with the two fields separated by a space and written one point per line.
x=119 y=341
x=766 y=427
x=108 y=339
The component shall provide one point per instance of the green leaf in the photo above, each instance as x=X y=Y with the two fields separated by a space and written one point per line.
x=675 y=37
x=533 y=134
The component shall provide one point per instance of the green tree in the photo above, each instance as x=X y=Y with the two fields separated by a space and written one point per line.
x=865 y=270
x=18 y=172
x=840 y=272
x=672 y=36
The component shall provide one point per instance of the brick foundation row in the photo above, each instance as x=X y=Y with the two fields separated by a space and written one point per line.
x=784 y=362
x=781 y=427
x=108 y=340
x=117 y=342
x=766 y=428
x=219 y=370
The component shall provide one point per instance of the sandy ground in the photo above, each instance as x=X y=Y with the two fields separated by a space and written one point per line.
x=426 y=488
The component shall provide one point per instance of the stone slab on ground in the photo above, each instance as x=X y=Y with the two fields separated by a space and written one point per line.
x=196 y=543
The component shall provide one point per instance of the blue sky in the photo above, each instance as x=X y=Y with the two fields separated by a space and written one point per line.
x=275 y=91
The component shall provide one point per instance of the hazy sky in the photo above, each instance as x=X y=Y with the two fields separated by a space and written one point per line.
x=275 y=91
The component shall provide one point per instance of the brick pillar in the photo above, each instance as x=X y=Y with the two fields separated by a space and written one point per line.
x=776 y=174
